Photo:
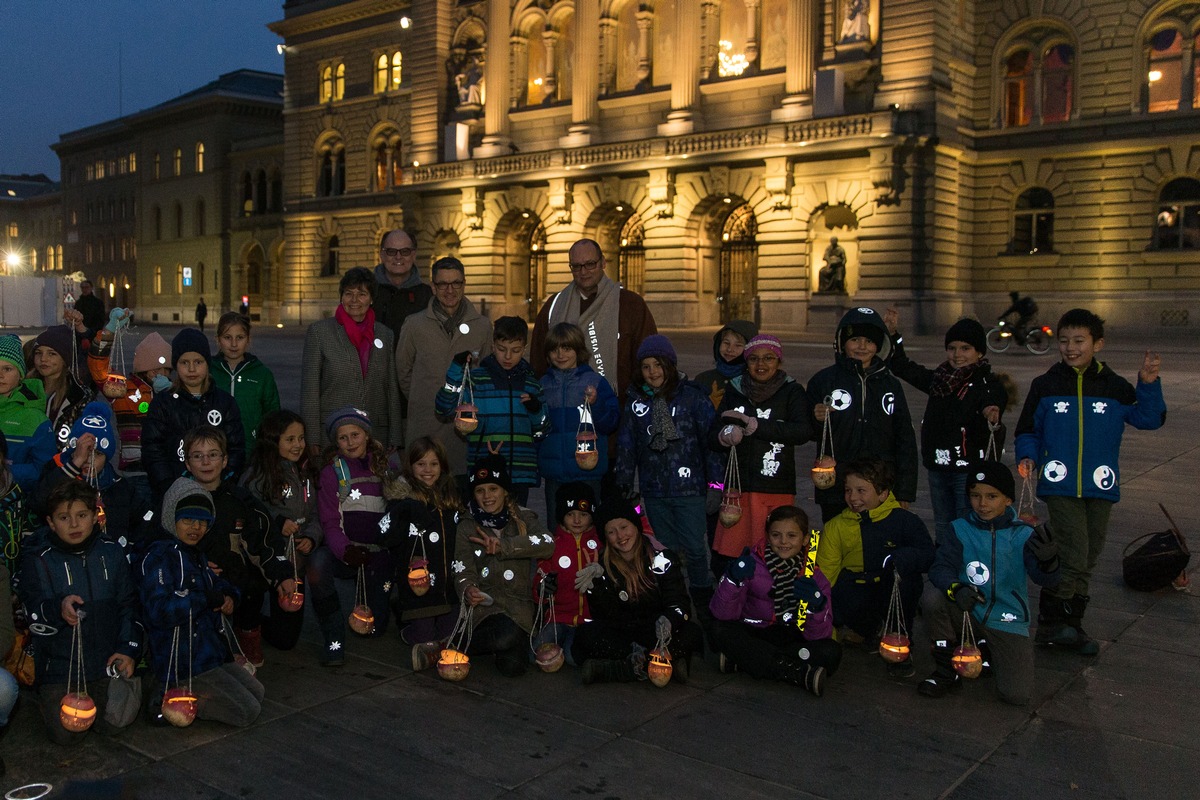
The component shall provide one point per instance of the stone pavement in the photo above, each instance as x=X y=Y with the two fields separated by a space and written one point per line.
x=1122 y=725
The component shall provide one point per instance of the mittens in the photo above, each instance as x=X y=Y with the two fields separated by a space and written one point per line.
x=741 y=568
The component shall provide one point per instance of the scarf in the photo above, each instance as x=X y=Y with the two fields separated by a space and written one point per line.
x=600 y=323
x=448 y=321
x=948 y=381
x=360 y=334
x=662 y=425
x=496 y=522
x=784 y=572
x=731 y=369
x=759 y=392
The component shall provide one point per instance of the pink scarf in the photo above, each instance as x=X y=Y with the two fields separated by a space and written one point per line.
x=361 y=334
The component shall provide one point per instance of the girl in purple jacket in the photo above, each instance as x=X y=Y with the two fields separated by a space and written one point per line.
x=774 y=619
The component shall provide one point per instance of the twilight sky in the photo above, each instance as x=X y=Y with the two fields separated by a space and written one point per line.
x=58 y=62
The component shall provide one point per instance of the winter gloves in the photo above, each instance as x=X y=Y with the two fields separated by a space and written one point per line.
x=806 y=590
x=1043 y=548
x=737 y=426
x=965 y=596
x=742 y=568
x=587 y=576
x=662 y=628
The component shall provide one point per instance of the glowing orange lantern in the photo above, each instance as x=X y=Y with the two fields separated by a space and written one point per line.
x=967 y=661
x=453 y=665
x=114 y=386
x=292 y=601
x=730 y=512
x=659 y=669
x=894 y=647
x=824 y=472
x=179 y=707
x=586 y=454
x=466 y=418
x=77 y=712
x=418 y=576
x=550 y=657
x=362 y=620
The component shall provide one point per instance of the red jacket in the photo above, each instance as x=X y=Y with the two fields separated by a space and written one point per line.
x=570 y=554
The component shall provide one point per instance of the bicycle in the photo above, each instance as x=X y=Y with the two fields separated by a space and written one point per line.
x=1036 y=339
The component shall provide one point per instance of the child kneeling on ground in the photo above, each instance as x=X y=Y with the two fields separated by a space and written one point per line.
x=981 y=570
x=774 y=621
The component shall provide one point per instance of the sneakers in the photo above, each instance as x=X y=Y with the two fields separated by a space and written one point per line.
x=939 y=685
x=250 y=643
x=903 y=669
x=814 y=681
x=725 y=665
x=425 y=655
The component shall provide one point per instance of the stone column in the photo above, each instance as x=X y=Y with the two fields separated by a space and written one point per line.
x=800 y=60
x=645 y=67
x=684 y=116
x=752 y=36
x=585 y=108
x=495 y=102
x=550 y=77
x=1187 y=89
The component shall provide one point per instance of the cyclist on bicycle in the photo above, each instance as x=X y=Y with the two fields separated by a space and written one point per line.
x=1025 y=309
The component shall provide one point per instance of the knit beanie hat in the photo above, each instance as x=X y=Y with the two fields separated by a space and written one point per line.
x=153 y=352
x=189 y=340
x=10 y=351
x=573 y=496
x=765 y=341
x=994 y=474
x=346 y=415
x=657 y=346
x=490 y=469
x=58 y=338
x=970 y=332
x=96 y=418
x=197 y=505
x=616 y=509
x=872 y=332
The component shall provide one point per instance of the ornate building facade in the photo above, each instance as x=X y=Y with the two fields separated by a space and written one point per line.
x=715 y=148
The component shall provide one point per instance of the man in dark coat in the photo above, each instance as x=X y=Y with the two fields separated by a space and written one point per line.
x=399 y=291
x=91 y=307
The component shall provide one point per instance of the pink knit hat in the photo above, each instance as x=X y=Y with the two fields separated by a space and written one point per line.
x=152 y=352
x=765 y=341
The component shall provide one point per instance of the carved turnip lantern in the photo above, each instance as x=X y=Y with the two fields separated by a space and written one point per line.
x=967 y=661
x=550 y=657
x=824 y=472
x=362 y=620
x=77 y=712
x=179 y=707
x=453 y=665
x=659 y=667
x=292 y=601
x=114 y=387
x=418 y=576
x=586 y=454
x=730 y=512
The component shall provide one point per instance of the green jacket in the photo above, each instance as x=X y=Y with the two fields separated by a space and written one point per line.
x=30 y=441
x=252 y=386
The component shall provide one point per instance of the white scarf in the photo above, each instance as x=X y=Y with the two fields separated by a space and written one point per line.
x=600 y=323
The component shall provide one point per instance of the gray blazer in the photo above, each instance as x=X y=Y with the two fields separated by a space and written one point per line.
x=332 y=378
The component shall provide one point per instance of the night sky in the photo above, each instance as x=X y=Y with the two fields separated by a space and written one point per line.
x=58 y=62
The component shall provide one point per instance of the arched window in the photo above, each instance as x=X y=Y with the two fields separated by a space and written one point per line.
x=1058 y=64
x=326 y=92
x=1177 y=223
x=339 y=83
x=738 y=279
x=397 y=58
x=381 y=73
x=330 y=266
x=387 y=151
x=201 y=221
x=156 y=213
x=178 y=221
x=58 y=261
x=1037 y=79
x=1033 y=223
x=33 y=264
x=1164 y=77
x=1018 y=99
x=177 y=162
x=631 y=258
x=158 y=280
x=331 y=166
x=199 y=157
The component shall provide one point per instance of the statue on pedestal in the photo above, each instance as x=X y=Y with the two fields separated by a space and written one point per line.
x=856 y=27
x=469 y=84
x=832 y=277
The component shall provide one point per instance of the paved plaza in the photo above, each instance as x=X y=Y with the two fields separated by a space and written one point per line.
x=1122 y=725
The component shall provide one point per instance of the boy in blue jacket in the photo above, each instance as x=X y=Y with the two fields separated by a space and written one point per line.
x=981 y=569
x=67 y=573
x=509 y=402
x=1070 y=431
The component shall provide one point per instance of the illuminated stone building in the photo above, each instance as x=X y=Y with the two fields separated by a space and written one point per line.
x=31 y=229
x=957 y=150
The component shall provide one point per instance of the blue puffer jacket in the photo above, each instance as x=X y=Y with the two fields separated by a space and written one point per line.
x=687 y=466
x=175 y=580
x=96 y=571
x=562 y=390
x=992 y=556
x=1072 y=424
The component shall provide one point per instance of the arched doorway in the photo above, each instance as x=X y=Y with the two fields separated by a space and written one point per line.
x=737 y=283
x=255 y=266
x=631 y=255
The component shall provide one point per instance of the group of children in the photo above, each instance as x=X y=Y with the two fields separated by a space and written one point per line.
x=190 y=520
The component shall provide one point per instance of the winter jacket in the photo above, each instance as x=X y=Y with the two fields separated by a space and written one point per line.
x=666 y=596
x=60 y=424
x=129 y=409
x=1072 y=423
x=127 y=520
x=16 y=521
x=423 y=354
x=506 y=576
x=504 y=421
x=333 y=378
x=413 y=529
x=570 y=555
x=993 y=557
x=350 y=504
x=297 y=502
x=766 y=458
x=716 y=380
x=394 y=304
x=97 y=571
x=175 y=587
x=869 y=414
x=750 y=601
x=30 y=441
x=252 y=386
x=870 y=545
x=954 y=431
x=687 y=466
x=562 y=392
x=244 y=540
x=175 y=412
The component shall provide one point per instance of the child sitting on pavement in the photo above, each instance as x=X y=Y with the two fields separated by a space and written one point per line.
x=981 y=569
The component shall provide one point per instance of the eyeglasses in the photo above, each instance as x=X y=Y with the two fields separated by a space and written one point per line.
x=586 y=266
x=763 y=359
x=212 y=455
x=444 y=285
x=397 y=252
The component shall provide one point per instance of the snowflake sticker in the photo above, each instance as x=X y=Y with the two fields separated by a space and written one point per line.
x=335 y=645
x=458 y=567
x=355 y=494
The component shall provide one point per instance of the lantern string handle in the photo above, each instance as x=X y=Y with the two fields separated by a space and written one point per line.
x=541 y=617
x=460 y=636
x=1027 y=498
x=586 y=421
x=992 y=453
x=76 y=679
x=176 y=657
x=360 y=587
x=968 y=632
x=467 y=388
x=894 y=622
x=826 y=431
x=290 y=552
x=733 y=476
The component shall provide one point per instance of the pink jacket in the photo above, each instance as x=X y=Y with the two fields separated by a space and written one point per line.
x=751 y=604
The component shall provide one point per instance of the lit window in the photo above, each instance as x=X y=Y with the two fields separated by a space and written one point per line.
x=132 y=162
x=33 y=265
x=326 y=84
x=339 y=85
x=199 y=156
x=89 y=172
x=177 y=162
x=1177 y=223
x=99 y=170
x=1018 y=100
x=157 y=165
x=13 y=230
x=87 y=250
x=396 y=59
x=381 y=73
x=179 y=279
x=158 y=280
x=1164 y=77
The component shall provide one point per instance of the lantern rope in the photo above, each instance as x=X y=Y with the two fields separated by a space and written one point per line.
x=174 y=659
x=827 y=430
x=733 y=479
x=360 y=587
x=894 y=622
x=542 y=618
x=1027 y=498
x=460 y=637
x=76 y=679
x=968 y=632
x=992 y=453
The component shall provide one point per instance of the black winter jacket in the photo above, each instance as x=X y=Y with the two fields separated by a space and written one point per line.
x=128 y=521
x=667 y=596
x=953 y=431
x=245 y=541
x=407 y=522
x=175 y=412
x=766 y=458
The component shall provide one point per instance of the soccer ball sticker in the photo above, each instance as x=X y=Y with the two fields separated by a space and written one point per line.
x=1055 y=471
x=978 y=573
x=1104 y=477
x=840 y=400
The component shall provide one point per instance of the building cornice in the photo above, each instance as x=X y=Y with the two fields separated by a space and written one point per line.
x=342 y=14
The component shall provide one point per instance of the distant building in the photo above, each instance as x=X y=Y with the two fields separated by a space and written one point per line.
x=956 y=150
x=31 y=229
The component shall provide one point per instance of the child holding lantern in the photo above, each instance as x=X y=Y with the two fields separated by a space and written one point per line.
x=981 y=569
x=68 y=573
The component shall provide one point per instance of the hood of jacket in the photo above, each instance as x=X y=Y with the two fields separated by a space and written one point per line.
x=249 y=361
x=413 y=279
x=857 y=317
x=744 y=328
x=181 y=488
x=31 y=393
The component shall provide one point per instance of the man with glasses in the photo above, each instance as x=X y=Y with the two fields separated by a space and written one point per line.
x=430 y=339
x=400 y=291
x=614 y=320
